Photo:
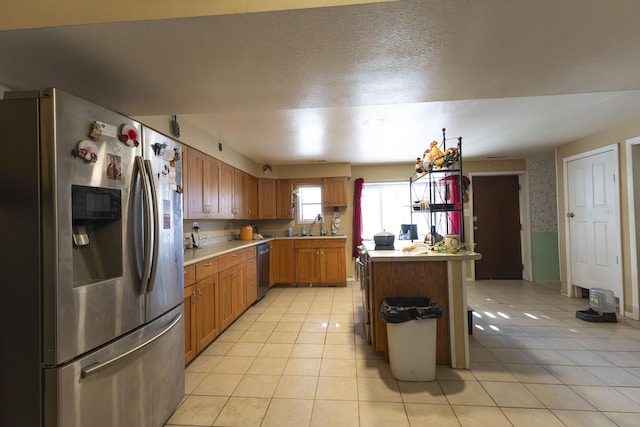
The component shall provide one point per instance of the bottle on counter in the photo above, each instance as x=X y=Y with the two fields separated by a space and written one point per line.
x=304 y=230
x=290 y=231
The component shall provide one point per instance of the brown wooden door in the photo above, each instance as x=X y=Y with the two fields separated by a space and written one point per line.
x=496 y=225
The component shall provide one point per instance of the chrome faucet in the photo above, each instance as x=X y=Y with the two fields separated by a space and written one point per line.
x=319 y=219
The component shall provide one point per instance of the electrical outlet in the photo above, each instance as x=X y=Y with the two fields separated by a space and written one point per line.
x=195 y=225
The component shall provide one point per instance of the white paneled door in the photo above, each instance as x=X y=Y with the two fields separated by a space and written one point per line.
x=593 y=222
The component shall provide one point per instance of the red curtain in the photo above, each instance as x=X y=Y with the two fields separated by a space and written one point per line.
x=357 y=216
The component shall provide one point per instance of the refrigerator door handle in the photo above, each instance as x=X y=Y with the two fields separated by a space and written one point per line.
x=99 y=366
x=155 y=224
x=146 y=268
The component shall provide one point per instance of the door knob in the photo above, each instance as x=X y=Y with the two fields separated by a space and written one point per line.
x=570 y=215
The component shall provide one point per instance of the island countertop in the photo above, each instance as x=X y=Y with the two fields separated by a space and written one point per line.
x=398 y=254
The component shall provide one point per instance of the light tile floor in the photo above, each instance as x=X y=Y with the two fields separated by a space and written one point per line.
x=298 y=358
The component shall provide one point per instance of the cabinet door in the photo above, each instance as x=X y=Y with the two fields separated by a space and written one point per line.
x=185 y=174
x=225 y=303
x=190 y=346
x=267 y=198
x=239 y=290
x=333 y=265
x=213 y=188
x=197 y=196
x=308 y=268
x=227 y=173
x=251 y=278
x=334 y=191
x=206 y=315
x=239 y=190
x=251 y=196
x=284 y=199
x=282 y=265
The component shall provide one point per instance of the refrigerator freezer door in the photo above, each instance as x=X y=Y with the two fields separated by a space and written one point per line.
x=163 y=158
x=137 y=380
x=90 y=293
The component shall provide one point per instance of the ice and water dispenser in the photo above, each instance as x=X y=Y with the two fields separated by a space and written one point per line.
x=97 y=234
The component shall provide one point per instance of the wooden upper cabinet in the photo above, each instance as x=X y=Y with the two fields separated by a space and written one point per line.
x=227 y=173
x=251 y=197
x=267 y=198
x=334 y=191
x=239 y=188
x=245 y=195
x=202 y=186
x=185 y=170
x=284 y=202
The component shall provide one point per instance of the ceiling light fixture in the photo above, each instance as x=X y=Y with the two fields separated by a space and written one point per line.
x=374 y=122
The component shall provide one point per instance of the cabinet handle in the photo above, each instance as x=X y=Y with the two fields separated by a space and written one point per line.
x=193 y=297
x=234 y=254
x=208 y=264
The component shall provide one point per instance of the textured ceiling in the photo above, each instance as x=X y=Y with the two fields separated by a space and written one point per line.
x=511 y=78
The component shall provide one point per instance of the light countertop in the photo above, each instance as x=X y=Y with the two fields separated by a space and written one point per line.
x=195 y=255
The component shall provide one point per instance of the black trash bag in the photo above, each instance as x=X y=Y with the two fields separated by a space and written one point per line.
x=403 y=309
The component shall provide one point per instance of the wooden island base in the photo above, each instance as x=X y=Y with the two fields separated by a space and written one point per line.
x=411 y=279
x=436 y=276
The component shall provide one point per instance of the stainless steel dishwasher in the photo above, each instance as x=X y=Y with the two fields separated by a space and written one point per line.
x=263 y=269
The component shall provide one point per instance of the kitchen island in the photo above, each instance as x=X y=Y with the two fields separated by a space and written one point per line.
x=439 y=276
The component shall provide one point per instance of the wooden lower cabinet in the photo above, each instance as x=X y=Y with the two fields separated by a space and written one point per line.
x=251 y=275
x=334 y=269
x=282 y=265
x=239 y=291
x=308 y=265
x=207 y=322
x=190 y=347
x=233 y=294
x=225 y=303
x=320 y=261
x=200 y=314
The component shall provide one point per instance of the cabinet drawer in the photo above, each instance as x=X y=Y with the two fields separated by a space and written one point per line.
x=206 y=268
x=319 y=243
x=189 y=275
x=229 y=260
x=308 y=243
x=251 y=252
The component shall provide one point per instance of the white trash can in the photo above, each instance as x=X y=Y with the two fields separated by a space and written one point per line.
x=411 y=336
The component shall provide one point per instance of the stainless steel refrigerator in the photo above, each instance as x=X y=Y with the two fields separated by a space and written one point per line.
x=91 y=266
